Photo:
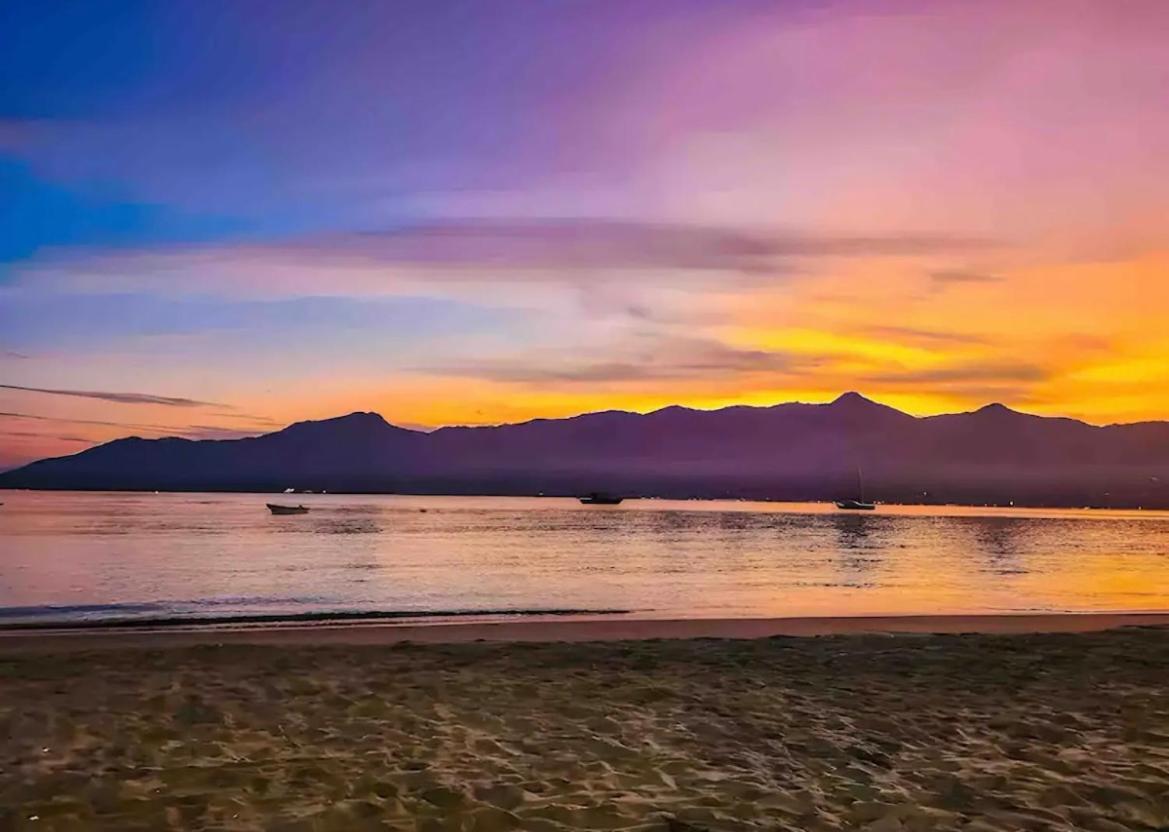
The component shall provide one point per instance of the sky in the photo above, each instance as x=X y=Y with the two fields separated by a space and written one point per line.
x=219 y=217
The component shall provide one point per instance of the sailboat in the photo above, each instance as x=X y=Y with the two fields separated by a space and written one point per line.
x=858 y=504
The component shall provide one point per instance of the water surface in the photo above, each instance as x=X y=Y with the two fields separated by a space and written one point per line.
x=84 y=556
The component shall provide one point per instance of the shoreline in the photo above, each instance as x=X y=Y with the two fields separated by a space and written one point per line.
x=556 y=629
x=298 y=618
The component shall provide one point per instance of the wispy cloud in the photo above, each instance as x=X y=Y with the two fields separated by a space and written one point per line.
x=922 y=336
x=610 y=243
x=950 y=278
x=188 y=431
x=120 y=398
x=39 y=418
x=13 y=354
x=261 y=422
x=677 y=358
x=575 y=252
x=28 y=434
x=989 y=371
x=266 y=421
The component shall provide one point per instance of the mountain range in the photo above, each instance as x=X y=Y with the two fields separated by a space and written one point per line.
x=789 y=451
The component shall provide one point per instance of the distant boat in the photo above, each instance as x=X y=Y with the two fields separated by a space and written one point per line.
x=275 y=509
x=859 y=504
x=599 y=498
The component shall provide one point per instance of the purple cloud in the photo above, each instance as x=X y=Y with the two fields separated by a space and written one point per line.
x=119 y=398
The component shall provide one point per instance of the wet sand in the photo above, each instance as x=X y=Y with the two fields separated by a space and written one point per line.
x=561 y=627
x=1038 y=731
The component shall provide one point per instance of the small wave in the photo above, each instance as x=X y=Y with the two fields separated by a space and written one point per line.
x=320 y=617
x=59 y=610
x=148 y=609
x=247 y=601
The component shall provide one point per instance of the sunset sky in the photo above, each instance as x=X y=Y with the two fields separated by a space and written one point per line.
x=220 y=217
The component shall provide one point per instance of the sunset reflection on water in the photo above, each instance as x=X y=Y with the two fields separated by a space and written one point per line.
x=70 y=556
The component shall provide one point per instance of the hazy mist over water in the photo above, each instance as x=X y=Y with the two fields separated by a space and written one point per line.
x=83 y=556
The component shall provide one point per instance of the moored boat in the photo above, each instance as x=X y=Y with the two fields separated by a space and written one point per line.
x=860 y=503
x=599 y=498
x=276 y=509
x=855 y=505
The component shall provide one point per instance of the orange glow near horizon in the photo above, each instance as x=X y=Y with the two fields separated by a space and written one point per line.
x=1079 y=340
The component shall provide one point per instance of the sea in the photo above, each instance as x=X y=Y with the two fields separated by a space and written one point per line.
x=73 y=558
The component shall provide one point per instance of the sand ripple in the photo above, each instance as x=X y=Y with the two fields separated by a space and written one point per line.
x=887 y=734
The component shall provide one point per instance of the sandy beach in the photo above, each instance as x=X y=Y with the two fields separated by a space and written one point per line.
x=975 y=731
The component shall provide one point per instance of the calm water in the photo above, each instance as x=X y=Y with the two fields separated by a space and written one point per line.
x=76 y=556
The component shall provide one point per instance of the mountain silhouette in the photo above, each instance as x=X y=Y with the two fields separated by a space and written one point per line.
x=787 y=451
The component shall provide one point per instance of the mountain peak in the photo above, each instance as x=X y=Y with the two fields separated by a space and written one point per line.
x=358 y=417
x=857 y=409
x=851 y=398
x=997 y=409
x=358 y=420
x=853 y=402
x=361 y=417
